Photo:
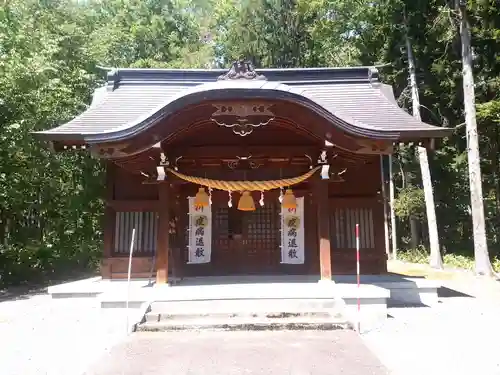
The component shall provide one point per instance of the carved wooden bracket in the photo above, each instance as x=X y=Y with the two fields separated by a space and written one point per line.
x=242 y=118
x=243 y=162
x=109 y=151
x=337 y=176
x=373 y=147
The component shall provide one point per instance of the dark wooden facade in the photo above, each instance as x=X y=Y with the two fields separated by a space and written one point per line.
x=247 y=242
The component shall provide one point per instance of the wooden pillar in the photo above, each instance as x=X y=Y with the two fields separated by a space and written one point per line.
x=108 y=240
x=162 y=239
x=176 y=240
x=109 y=224
x=384 y=201
x=323 y=207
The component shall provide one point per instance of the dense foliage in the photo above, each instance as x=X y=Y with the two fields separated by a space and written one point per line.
x=51 y=58
x=53 y=53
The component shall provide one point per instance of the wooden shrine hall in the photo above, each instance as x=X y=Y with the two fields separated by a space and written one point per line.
x=242 y=172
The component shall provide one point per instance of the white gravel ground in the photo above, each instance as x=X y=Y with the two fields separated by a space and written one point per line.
x=41 y=335
x=64 y=336
x=458 y=336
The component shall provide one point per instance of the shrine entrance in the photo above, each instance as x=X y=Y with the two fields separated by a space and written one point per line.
x=246 y=242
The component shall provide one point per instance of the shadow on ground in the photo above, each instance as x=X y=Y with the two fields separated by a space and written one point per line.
x=402 y=275
x=444 y=292
x=20 y=292
x=401 y=305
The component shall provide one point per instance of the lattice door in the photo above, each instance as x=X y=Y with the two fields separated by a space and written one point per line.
x=262 y=239
x=221 y=254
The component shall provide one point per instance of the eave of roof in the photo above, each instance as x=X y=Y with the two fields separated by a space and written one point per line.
x=351 y=98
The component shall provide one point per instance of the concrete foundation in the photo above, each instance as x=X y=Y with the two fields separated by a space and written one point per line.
x=278 y=301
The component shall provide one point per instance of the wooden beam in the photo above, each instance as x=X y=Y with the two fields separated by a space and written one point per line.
x=134 y=205
x=162 y=242
x=325 y=263
x=225 y=151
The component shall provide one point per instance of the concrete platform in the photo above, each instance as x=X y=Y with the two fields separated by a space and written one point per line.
x=404 y=290
x=90 y=287
x=252 y=298
x=248 y=300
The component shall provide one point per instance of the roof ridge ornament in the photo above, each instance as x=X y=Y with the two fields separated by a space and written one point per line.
x=241 y=69
x=113 y=78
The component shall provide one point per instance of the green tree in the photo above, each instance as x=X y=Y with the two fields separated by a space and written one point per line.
x=147 y=34
x=51 y=207
x=49 y=203
x=272 y=33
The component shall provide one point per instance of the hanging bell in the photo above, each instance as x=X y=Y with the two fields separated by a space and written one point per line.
x=201 y=199
x=289 y=200
x=246 y=202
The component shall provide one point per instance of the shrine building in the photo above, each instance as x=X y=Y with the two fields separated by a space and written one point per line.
x=242 y=172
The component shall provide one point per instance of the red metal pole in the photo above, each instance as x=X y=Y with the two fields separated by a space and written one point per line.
x=358 y=275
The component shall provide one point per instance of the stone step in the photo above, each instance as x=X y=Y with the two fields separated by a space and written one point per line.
x=246 y=314
x=245 y=324
x=248 y=306
x=191 y=316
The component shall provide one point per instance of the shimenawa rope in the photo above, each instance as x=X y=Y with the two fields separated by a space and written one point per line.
x=245 y=185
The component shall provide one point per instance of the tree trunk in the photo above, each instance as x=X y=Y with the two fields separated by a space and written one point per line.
x=496 y=174
x=415 y=233
x=435 y=260
x=435 y=256
x=481 y=256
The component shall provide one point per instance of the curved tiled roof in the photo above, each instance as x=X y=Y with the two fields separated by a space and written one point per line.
x=350 y=98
